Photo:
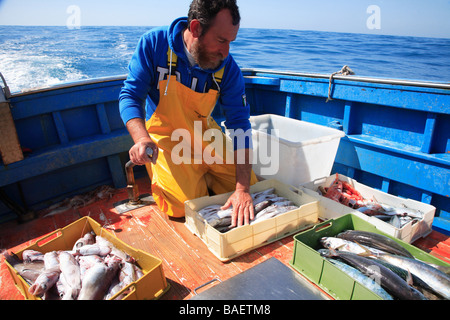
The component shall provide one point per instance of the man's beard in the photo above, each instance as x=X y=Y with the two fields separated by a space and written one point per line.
x=203 y=58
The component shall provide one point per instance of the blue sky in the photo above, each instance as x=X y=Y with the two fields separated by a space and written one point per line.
x=396 y=17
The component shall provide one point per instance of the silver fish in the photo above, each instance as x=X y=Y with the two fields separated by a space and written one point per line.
x=389 y=280
x=256 y=195
x=346 y=245
x=206 y=211
x=375 y=240
x=434 y=278
x=367 y=282
x=391 y=210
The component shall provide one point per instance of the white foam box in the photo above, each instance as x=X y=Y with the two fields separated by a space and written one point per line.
x=330 y=209
x=281 y=145
x=228 y=245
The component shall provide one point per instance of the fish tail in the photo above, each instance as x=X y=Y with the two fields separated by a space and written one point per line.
x=366 y=253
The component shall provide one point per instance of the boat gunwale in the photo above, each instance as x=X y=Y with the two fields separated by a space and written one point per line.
x=253 y=71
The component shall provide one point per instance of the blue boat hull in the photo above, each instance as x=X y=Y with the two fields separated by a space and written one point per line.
x=397 y=137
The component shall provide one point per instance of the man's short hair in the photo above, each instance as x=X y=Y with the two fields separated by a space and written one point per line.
x=206 y=10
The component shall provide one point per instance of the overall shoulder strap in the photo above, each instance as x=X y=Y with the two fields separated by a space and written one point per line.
x=217 y=77
x=172 y=61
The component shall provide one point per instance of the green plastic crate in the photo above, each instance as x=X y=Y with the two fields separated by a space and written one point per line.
x=323 y=273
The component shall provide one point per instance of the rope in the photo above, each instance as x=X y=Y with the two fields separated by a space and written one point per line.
x=170 y=73
x=345 y=71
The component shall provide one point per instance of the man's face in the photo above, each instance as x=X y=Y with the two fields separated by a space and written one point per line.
x=210 y=49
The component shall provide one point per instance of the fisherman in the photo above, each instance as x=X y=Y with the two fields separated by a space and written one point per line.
x=179 y=73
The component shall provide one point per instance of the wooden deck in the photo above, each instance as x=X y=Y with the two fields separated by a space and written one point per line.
x=187 y=262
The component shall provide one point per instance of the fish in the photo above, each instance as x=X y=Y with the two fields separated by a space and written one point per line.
x=375 y=240
x=208 y=210
x=51 y=260
x=412 y=280
x=346 y=245
x=367 y=282
x=217 y=222
x=344 y=193
x=97 y=280
x=273 y=211
x=127 y=275
x=266 y=203
x=84 y=273
x=70 y=271
x=262 y=205
x=81 y=200
x=93 y=249
x=88 y=238
x=262 y=193
x=32 y=255
x=396 y=222
x=437 y=280
x=388 y=279
x=114 y=250
x=48 y=277
x=28 y=270
x=44 y=282
x=401 y=211
x=86 y=262
x=28 y=274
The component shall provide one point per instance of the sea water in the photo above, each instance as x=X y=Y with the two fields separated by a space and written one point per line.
x=32 y=56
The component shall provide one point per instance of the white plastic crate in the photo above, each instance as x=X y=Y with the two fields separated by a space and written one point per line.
x=237 y=241
x=330 y=209
x=281 y=145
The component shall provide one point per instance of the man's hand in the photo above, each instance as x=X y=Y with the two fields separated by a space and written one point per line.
x=243 y=210
x=142 y=141
x=138 y=153
x=241 y=199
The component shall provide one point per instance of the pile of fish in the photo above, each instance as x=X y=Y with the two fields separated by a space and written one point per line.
x=267 y=204
x=93 y=270
x=344 y=193
x=385 y=267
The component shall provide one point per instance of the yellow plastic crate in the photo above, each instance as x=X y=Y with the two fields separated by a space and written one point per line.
x=150 y=286
x=228 y=245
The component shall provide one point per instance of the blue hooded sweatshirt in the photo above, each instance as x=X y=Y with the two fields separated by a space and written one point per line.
x=149 y=65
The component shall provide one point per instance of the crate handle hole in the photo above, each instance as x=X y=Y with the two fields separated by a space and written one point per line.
x=49 y=238
x=325 y=226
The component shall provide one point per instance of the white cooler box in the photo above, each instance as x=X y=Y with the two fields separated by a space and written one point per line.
x=281 y=144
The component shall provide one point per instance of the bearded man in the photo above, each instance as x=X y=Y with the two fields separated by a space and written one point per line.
x=177 y=76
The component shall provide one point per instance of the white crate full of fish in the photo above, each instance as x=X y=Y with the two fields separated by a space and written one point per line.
x=280 y=210
x=404 y=219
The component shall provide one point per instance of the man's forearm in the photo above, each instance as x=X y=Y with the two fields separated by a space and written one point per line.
x=136 y=128
x=243 y=169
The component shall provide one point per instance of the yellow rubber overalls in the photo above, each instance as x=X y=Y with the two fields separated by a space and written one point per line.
x=188 y=113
